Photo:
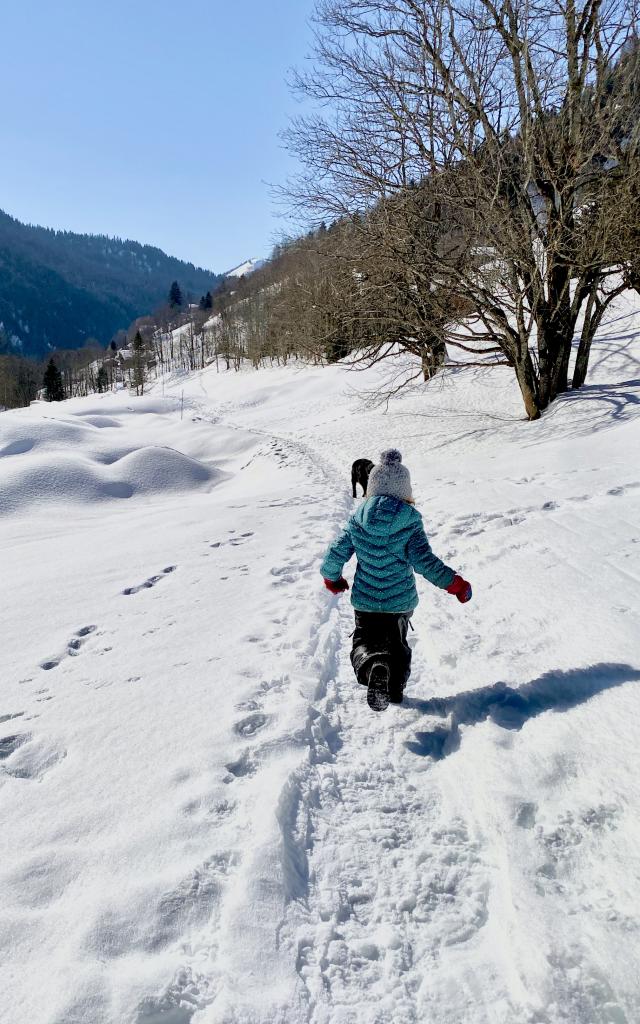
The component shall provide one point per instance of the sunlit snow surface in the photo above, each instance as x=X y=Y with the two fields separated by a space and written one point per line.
x=201 y=820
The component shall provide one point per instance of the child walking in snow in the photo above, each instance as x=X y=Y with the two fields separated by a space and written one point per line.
x=387 y=536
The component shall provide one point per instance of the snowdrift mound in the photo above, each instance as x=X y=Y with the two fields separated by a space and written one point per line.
x=101 y=421
x=21 y=435
x=89 y=451
x=118 y=404
x=152 y=470
x=65 y=478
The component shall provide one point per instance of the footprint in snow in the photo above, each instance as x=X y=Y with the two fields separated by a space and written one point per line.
x=526 y=815
x=39 y=879
x=449 y=659
x=9 y=744
x=9 y=718
x=209 y=808
x=191 y=900
x=251 y=724
x=76 y=642
x=283 y=575
x=171 y=1007
x=248 y=705
x=275 y=685
x=74 y=646
x=618 y=492
x=26 y=758
x=243 y=767
x=150 y=582
x=233 y=541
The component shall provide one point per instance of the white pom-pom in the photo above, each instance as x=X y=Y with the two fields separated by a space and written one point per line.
x=391 y=455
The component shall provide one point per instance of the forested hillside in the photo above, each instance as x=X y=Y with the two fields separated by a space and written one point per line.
x=58 y=289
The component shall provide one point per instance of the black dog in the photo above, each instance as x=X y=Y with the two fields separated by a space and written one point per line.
x=360 y=474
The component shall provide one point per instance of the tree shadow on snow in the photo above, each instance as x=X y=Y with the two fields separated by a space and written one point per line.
x=618 y=397
x=510 y=708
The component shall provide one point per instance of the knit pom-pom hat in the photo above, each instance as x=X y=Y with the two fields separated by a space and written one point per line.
x=390 y=477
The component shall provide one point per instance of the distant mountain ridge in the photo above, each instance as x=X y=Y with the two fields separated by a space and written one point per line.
x=58 y=288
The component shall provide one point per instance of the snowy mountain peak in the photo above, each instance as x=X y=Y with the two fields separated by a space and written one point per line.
x=245 y=268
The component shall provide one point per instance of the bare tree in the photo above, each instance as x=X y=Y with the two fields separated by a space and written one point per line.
x=139 y=362
x=506 y=117
x=391 y=299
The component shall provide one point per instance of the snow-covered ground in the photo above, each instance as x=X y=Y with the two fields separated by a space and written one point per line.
x=201 y=820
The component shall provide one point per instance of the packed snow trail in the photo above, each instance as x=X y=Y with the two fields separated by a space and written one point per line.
x=422 y=873
x=202 y=821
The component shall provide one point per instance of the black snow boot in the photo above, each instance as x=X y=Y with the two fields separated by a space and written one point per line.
x=381 y=637
x=396 y=691
x=378 y=687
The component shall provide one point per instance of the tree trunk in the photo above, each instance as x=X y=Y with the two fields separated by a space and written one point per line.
x=555 y=349
x=434 y=355
x=555 y=337
x=562 y=374
x=590 y=326
x=526 y=377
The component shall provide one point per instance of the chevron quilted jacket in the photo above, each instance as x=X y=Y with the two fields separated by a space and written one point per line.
x=388 y=539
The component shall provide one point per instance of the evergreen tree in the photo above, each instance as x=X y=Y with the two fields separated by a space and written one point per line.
x=175 y=295
x=52 y=383
x=102 y=379
x=208 y=301
x=202 y=303
x=138 y=374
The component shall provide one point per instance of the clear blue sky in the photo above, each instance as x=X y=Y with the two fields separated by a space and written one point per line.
x=150 y=120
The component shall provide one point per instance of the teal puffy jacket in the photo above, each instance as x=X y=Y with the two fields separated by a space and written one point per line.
x=389 y=541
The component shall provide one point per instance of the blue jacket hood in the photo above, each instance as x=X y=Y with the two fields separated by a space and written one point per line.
x=383 y=516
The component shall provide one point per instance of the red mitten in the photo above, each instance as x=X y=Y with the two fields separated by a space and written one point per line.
x=460 y=589
x=336 y=586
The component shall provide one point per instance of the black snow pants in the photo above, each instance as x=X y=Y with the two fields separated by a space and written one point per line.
x=381 y=636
